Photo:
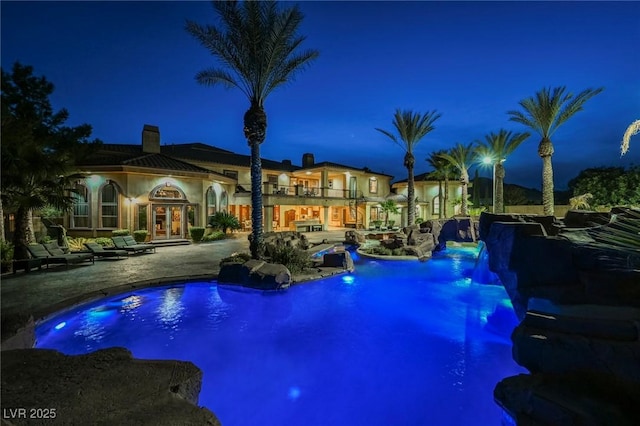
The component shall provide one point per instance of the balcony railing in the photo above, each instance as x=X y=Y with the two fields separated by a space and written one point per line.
x=302 y=191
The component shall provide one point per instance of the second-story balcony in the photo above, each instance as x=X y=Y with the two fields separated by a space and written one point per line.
x=301 y=191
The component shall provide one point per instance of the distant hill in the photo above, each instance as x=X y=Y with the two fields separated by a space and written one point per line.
x=514 y=192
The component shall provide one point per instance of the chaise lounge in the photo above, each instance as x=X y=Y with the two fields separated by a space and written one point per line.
x=129 y=244
x=54 y=255
x=100 y=252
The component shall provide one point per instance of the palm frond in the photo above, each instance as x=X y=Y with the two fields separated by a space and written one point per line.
x=633 y=129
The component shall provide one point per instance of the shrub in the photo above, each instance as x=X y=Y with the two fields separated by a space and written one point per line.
x=6 y=253
x=104 y=241
x=214 y=236
x=140 y=235
x=224 y=221
x=120 y=232
x=236 y=258
x=196 y=233
x=294 y=259
x=77 y=244
x=379 y=250
x=398 y=251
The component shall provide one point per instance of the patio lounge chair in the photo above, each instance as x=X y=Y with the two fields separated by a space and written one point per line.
x=55 y=250
x=39 y=251
x=101 y=252
x=134 y=248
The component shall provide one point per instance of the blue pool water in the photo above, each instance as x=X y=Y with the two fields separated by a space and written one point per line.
x=394 y=343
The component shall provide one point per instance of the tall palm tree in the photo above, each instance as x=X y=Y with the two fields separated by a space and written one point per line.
x=257 y=46
x=442 y=170
x=411 y=128
x=460 y=157
x=544 y=113
x=498 y=146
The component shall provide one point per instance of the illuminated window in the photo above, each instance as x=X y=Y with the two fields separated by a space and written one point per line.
x=109 y=206
x=167 y=191
x=373 y=185
x=80 y=215
x=224 y=202
x=212 y=201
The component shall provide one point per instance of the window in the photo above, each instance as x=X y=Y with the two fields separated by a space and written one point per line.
x=231 y=173
x=353 y=187
x=109 y=206
x=223 y=202
x=80 y=215
x=142 y=217
x=373 y=185
x=166 y=191
x=191 y=215
x=212 y=202
x=436 y=205
x=375 y=213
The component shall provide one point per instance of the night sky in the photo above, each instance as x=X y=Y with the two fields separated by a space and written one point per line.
x=119 y=65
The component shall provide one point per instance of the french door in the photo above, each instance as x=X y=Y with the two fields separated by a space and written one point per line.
x=168 y=221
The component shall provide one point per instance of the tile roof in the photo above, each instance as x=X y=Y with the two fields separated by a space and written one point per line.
x=202 y=152
x=132 y=155
x=342 y=166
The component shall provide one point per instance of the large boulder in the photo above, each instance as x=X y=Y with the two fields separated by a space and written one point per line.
x=256 y=274
x=341 y=259
x=353 y=237
x=103 y=387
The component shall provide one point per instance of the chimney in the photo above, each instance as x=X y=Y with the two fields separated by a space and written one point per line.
x=286 y=162
x=307 y=160
x=151 y=139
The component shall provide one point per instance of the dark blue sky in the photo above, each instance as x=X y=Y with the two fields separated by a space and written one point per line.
x=119 y=65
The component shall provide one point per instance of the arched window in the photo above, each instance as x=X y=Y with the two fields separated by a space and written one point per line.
x=109 y=206
x=224 y=203
x=167 y=191
x=436 y=205
x=80 y=217
x=212 y=201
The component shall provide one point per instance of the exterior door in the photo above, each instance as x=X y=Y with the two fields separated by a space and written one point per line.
x=167 y=221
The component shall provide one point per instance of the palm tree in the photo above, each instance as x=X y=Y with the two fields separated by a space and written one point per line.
x=442 y=170
x=544 y=113
x=411 y=127
x=460 y=156
x=257 y=46
x=388 y=207
x=497 y=147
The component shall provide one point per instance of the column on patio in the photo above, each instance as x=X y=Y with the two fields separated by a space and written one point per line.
x=268 y=218
x=324 y=183
x=325 y=215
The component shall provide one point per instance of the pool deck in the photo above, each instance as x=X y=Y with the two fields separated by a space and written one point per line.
x=40 y=293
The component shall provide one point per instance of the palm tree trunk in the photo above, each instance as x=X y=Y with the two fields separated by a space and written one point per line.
x=464 y=180
x=545 y=150
x=499 y=188
x=547 y=186
x=255 y=127
x=446 y=196
x=31 y=235
x=411 y=203
x=20 y=240
x=440 y=199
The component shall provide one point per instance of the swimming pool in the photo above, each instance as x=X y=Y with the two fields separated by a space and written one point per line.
x=395 y=343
